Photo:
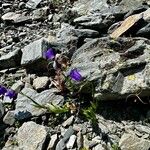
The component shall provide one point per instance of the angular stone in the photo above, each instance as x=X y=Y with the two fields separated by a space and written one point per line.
x=40 y=82
x=143 y=129
x=1 y=109
x=14 y=59
x=15 y=18
x=32 y=136
x=17 y=86
x=146 y=15
x=131 y=141
x=9 y=118
x=126 y=25
x=118 y=67
x=61 y=145
x=32 y=57
x=71 y=142
x=68 y=133
x=68 y=121
x=25 y=108
x=33 y=3
x=53 y=141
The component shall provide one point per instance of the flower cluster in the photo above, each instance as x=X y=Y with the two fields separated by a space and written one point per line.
x=74 y=73
x=7 y=92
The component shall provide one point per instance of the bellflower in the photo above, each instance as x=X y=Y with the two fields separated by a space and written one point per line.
x=49 y=54
x=11 y=94
x=75 y=75
x=3 y=90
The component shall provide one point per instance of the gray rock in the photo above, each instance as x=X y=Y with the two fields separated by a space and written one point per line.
x=40 y=13
x=32 y=136
x=61 y=145
x=1 y=109
x=99 y=147
x=117 y=69
x=68 y=133
x=71 y=141
x=17 y=86
x=68 y=122
x=144 y=32
x=131 y=141
x=33 y=3
x=95 y=21
x=53 y=142
x=32 y=57
x=13 y=58
x=25 y=107
x=143 y=129
x=40 y=82
x=15 y=18
x=79 y=140
x=9 y=118
x=87 y=6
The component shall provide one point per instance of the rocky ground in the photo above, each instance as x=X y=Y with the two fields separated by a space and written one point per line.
x=108 y=41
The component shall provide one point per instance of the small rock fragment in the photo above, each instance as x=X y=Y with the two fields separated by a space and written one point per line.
x=71 y=142
x=68 y=121
x=9 y=118
x=53 y=142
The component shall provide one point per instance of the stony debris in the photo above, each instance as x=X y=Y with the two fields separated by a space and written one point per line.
x=31 y=135
x=9 y=118
x=131 y=141
x=33 y=3
x=40 y=83
x=1 y=109
x=53 y=142
x=25 y=108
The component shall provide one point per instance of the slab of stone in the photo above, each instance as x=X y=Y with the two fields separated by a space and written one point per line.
x=25 y=107
x=32 y=136
x=17 y=86
x=131 y=141
x=68 y=122
x=40 y=82
x=1 y=109
x=15 y=18
x=71 y=142
x=9 y=118
x=53 y=142
x=32 y=3
x=143 y=129
x=14 y=59
x=61 y=145
x=117 y=69
x=32 y=57
x=126 y=25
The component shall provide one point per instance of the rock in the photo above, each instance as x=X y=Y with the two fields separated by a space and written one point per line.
x=25 y=108
x=68 y=133
x=146 y=15
x=40 y=82
x=17 y=86
x=61 y=145
x=144 y=32
x=99 y=147
x=40 y=13
x=126 y=25
x=68 y=122
x=9 y=118
x=142 y=129
x=32 y=57
x=79 y=140
x=94 y=21
x=118 y=67
x=1 y=109
x=131 y=141
x=86 y=6
x=29 y=138
x=13 y=58
x=32 y=3
x=71 y=142
x=53 y=141
x=15 y=18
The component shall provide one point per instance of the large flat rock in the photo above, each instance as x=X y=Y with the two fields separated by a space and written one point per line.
x=117 y=67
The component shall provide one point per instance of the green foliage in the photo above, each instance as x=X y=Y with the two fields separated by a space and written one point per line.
x=90 y=112
x=115 y=147
x=57 y=109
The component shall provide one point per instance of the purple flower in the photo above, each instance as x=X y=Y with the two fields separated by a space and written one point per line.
x=3 y=90
x=75 y=75
x=49 y=54
x=11 y=94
